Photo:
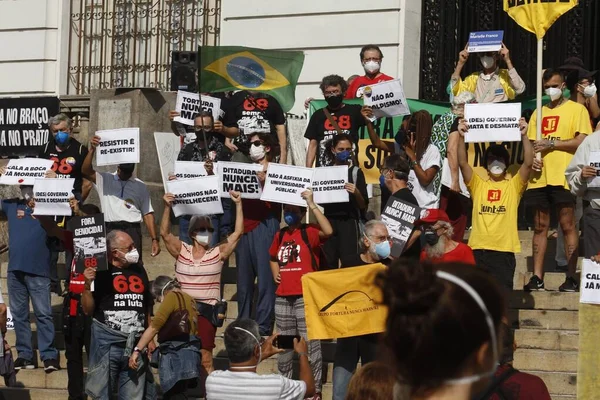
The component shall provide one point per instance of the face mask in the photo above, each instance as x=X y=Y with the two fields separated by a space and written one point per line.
x=200 y=134
x=371 y=67
x=61 y=138
x=429 y=238
x=487 y=61
x=490 y=323
x=590 y=90
x=259 y=349
x=203 y=237
x=257 y=153
x=382 y=180
x=132 y=257
x=497 y=167
x=334 y=101
x=343 y=156
x=290 y=218
x=27 y=192
x=554 y=93
x=379 y=251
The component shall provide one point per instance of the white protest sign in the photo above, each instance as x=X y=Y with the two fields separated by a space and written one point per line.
x=594 y=161
x=284 y=183
x=447 y=179
x=590 y=282
x=198 y=196
x=386 y=99
x=493 y=122
x=240 y=177
x=25 y=171
x=167 y=148
x=10 y=323
x=118 y=146
x=328 y=185
x=192 y=169
x=189 y=104
x=52 y=196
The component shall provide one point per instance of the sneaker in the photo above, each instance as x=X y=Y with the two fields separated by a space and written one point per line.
x=51 y=366
x=21 y=363
x=570 y=285
x=535 y=283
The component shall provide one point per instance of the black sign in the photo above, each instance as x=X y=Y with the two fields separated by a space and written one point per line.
x=400 y=218
x=24 y=124
x=89 y=242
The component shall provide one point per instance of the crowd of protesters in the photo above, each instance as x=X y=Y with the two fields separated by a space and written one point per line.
x=424 y=288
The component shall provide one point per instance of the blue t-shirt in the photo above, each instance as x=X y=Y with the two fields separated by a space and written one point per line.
x=27 y=248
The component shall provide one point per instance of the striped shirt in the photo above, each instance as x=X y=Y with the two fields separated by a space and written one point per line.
x=227 y=385
x=201 y=279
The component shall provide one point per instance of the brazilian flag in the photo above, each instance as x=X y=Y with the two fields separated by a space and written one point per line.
x=273 y=72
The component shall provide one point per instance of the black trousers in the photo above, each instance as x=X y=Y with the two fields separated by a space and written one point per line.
x=343 y=242
x=77 y=336
x=500 y=264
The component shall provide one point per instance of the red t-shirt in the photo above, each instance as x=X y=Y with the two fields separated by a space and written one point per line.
x=293 y=256
x=521 y=386
x=461 y=253
x=256 y=211
x=361 y=81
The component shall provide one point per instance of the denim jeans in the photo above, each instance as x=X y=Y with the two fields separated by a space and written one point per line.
x=347 y=353
x=22 y=287
x=178 y=362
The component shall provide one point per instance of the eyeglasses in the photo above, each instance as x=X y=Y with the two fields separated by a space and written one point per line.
x=258 y=143
x=332 y=93
x=128 y=249
x=204 y=229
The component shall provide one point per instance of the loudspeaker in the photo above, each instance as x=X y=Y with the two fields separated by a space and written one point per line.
x=184 y=71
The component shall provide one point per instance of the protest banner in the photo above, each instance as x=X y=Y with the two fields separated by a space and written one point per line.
x=343 y=302
x=492 y=122
x=167 y=148
x=400 y=218
x=590 y=282
x=386 y=99
x=89 y=242
x=198 y=196
x=594 y=162
x=481 y=42
x=447 y=179
x=118 y=146
x=25 y=171
x=285 y=183
x=52 y=196
x=240 y=177
x=192 y=169
x=189 y=104
x=328 y=185
x=24 y=124
x=10 y=322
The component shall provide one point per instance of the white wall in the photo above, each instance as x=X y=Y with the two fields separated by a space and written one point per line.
x=32 y=53
x=331 y=33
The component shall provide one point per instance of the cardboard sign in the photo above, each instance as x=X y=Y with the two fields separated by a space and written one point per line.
x=447 y=179
x=386 y=99
x=89 y=242
x=25 y=171
x=118 y=146
x=192 y=169
x=240 y=177
x=590 y=282
x=481 y=42
x=189 y=104
x=198 y=196
x=594 y=161
x=328 y=185
x=493 y=122
x=24 y=124
x=400 y=218
x=167 y=148
x=285 y=183
x=52 y=196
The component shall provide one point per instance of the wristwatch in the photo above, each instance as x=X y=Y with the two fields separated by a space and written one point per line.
x=552 y=143
x=413 y=163
x=137 y=350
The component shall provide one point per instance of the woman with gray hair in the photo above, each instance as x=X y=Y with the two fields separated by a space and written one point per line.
x=179 y=352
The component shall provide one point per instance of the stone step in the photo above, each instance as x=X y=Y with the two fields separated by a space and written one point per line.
x=547 y=339
x=545 y=319
x=543 y=300
x=38 y=379
x=33 y=394
x=545 y=360
x=558 y=383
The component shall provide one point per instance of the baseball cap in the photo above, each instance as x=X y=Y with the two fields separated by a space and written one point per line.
x=433 y=215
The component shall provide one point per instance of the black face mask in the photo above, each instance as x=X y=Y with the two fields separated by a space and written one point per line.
x=429 y=237
x=334 y=101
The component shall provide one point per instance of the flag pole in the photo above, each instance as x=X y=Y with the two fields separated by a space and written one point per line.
x=538 y=127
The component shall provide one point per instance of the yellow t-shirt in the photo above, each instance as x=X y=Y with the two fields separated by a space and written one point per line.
x=494 y=219
x=560 y=123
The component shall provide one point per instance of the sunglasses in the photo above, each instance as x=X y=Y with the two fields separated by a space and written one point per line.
x=204 y=229
x=257 y=143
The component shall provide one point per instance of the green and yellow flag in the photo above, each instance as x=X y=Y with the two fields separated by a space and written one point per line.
x=537 y=16
x=273 y=72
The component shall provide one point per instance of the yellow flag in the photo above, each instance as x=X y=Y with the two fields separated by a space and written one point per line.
x=537 y=16
x=343 y=302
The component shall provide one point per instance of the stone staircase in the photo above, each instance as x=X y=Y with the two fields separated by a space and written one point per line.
x=546 y=332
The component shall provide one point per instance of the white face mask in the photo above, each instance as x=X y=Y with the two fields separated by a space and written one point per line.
x=554 y=93
x=257 y=153
x=132 y=257
x=27 y=192
x=497 y=167
x=590 y=91
x=487 y=61
x=203 y=237
x=371 y=66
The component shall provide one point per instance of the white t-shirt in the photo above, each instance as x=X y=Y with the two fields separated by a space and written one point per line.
x=125 y=201
x=425 y=195
x=227 y=385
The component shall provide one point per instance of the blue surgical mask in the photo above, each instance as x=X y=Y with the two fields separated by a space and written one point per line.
x=61 y=137
x=290 y=218
x=343 y=156
x=382 y=250
x=382 y=180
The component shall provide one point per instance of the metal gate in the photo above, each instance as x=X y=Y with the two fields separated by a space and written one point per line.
x=125 y=43
x=445 y=30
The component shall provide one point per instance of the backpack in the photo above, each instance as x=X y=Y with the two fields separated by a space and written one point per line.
x=304 y=235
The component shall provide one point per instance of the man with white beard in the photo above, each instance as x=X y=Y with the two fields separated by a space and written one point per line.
x=436 y=240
